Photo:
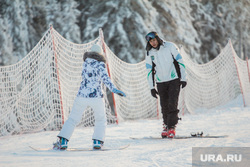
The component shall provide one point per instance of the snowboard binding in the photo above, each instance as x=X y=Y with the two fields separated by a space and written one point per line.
x=198 y=134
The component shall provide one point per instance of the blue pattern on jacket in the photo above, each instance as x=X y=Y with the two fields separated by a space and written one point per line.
x=94 y=73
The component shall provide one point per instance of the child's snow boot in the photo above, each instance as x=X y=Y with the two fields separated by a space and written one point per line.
x=97 y=144
x=61 y=144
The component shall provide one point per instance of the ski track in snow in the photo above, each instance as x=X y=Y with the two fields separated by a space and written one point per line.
x=232 y=121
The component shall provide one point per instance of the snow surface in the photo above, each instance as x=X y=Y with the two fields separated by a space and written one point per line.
x=232 y=120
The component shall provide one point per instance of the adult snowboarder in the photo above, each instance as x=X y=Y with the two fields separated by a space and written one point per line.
x=165 y=66
x=94 y=73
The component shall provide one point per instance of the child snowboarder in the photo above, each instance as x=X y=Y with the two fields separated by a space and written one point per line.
x=90 y=94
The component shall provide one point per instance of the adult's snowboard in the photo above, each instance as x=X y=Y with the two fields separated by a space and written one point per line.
x=192 y=135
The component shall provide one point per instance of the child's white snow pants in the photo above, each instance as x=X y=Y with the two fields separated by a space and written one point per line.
x=80 y=104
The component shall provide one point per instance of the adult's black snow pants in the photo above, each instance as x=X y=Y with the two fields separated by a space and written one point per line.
x=169 y=95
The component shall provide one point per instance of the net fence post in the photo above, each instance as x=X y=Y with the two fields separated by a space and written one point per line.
x=242 y=92
x=248 y=68
x=106 y=56
x=57 y=71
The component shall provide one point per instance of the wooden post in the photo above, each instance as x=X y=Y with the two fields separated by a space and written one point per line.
x=57 y=71
x=104 y=50
x=243 y=98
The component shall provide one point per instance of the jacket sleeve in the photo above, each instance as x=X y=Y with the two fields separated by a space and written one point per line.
x=149 y=72
x=178 y=57
x=105 y=77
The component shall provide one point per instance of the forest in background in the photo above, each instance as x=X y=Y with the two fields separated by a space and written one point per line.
x=202 y=27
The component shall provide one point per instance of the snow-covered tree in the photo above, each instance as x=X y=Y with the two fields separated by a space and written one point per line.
x=63 y=16
x=6 y=47
x=202 y=27
x=15 y=26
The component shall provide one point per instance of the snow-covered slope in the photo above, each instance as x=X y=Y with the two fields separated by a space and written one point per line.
x=202 y=27
x=231 y=120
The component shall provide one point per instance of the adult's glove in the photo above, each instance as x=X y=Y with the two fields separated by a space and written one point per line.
x=120 y=93
x=183 y=84
x=153 y=93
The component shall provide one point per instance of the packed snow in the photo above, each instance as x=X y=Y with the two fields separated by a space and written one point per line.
x=231 y=119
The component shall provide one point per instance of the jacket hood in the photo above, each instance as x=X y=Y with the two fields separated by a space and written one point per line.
x=94 y=55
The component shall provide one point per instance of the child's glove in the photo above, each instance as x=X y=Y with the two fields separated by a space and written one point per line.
x=120 y=93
